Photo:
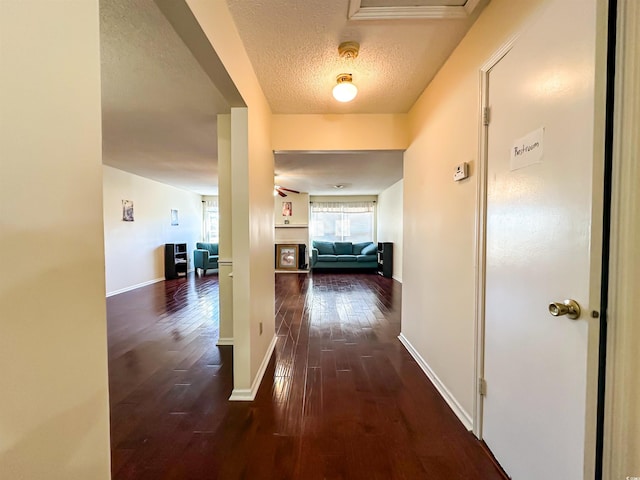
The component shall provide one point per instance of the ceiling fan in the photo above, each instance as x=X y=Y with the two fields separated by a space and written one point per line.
x=280 y=190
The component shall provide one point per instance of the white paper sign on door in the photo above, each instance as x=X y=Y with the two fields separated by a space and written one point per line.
x=528 y=150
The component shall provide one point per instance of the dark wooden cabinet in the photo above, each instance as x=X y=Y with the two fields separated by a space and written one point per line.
x=176 y=261
x=385 y=259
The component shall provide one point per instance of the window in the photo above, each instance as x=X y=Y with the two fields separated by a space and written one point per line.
x=342 y=221
x=210 y=221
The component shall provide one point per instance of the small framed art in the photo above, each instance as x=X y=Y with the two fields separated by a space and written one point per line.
x=287 y=257
x=127 y=210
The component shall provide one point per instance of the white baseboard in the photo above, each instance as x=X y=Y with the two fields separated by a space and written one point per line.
x=224 y=341
x=133 y=287
x=248 y=395
x=448 y=397
x=397 y=279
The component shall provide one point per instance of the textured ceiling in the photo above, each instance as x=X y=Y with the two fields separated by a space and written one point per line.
x=293 y=47
x=161 y=84
x=360 y=173
x=159 y=107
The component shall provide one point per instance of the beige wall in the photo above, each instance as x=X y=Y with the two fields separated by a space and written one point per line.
x=261 y=234
x=300 y=209
x=134 y=251
x=54 y=412
x=252 y=202
x=390 y=213
x=440 y=215
x=241 y=261
x=340 y=132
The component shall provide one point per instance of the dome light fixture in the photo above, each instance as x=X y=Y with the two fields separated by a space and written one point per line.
x=345 y=90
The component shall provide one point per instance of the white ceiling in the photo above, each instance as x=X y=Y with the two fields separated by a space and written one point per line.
x=359 y=173
x=160 y=103
x=159 y=107
x=293 y=47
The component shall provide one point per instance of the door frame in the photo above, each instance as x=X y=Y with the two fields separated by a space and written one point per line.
x=480 y=240
x=621 y=395
x=480 y=230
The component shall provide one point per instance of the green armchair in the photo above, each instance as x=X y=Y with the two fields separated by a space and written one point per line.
x=205 y=257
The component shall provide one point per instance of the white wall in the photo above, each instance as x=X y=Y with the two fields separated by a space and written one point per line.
x=134 y=251
x=440 y=215
x=54 y=409
x=390 y=212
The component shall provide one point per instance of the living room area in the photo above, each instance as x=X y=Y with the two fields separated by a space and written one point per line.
x=163 y=214
x=171 y=365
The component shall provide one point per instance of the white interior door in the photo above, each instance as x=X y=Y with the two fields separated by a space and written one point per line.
x=538 y=244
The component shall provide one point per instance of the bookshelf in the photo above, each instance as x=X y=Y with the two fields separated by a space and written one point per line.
x=176 y=260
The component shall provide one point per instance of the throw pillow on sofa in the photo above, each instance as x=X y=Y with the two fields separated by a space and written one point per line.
x=324 y=248
x=357 y=247
x=370 y=249
x=343 y=248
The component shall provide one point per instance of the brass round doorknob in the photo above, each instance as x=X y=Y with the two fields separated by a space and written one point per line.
x=569 y=307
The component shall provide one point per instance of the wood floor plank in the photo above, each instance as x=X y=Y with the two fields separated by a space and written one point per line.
x=341 y=397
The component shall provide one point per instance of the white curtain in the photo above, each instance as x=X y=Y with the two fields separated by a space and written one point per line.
x=343 y=221
x=342 y=207
x=210 y=220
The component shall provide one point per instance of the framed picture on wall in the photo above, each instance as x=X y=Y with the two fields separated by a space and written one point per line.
x=287 y=257
x=127 y=210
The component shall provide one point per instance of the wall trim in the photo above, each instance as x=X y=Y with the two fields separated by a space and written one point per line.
x=224 y=341
x=448 y=397
x=622 y=413
x=246 y=394
x=133 y=287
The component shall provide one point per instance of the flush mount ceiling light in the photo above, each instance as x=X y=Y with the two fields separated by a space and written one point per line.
x=345 y=90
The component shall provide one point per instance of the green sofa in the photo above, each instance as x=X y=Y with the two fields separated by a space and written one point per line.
x=205 y=257
x=339 y=255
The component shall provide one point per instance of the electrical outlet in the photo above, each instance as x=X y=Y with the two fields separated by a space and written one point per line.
x=260 y=328
x=461 y=172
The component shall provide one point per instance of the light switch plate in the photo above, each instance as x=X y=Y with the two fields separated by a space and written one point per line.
x=462 y=172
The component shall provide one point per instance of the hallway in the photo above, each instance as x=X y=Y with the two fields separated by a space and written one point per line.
x=341 y=397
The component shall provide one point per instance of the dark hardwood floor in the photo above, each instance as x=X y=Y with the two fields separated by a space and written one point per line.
x=341 y=398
